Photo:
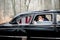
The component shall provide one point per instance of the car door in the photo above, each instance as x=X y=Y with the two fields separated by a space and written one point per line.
x=42 y=28
x=43 y=24
x=16 y=25
x=58 y=25
x=23 y=21
x=58 y=20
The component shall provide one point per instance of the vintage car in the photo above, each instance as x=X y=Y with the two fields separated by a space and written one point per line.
x=28 y=23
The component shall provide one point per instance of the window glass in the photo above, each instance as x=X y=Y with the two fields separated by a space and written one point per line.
x=24 y=19
x=58 y=18
x=43 y=19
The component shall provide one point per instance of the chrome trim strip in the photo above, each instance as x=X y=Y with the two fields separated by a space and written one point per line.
x=46 y=37
x=31 y=37
x=14 y=36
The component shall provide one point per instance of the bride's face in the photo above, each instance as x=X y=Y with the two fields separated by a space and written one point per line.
x=40 y=18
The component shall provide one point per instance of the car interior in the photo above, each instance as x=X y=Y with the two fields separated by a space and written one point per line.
x=48 y=19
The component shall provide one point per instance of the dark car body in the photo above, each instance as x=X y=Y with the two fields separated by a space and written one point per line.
x=23 y=22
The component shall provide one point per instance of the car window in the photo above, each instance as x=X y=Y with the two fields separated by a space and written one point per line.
x=26 y=19
x=58 y=18
x=43 y=19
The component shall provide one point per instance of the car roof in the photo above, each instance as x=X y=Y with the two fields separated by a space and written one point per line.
x=49 y=11
x=34 y=12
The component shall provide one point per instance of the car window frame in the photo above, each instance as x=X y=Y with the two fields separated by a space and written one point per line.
x=42 y=14
x=25 y=16
x=56 y=18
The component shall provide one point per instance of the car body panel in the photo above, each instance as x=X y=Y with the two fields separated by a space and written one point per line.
x=30 y=28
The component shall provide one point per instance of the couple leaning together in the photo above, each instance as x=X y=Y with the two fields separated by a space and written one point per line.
x=40 y=18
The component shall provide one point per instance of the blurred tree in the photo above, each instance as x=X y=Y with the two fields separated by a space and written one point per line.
x=13 y=5
x=9 y=8
x=27 y=2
